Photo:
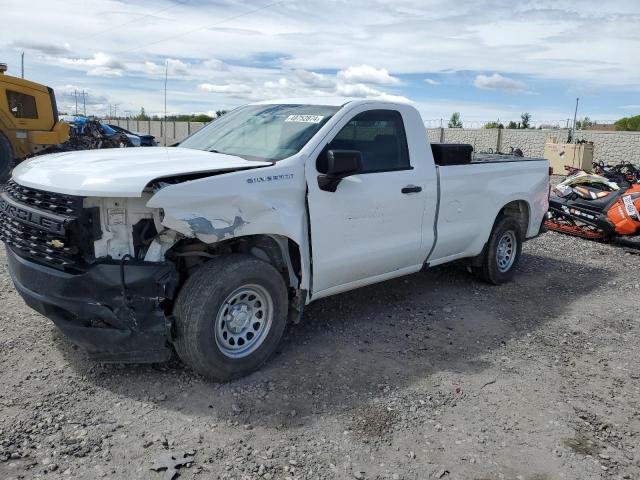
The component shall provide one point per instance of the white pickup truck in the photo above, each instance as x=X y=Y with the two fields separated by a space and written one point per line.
x=212 y=246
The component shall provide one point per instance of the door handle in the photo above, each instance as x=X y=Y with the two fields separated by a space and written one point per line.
x=411 y=189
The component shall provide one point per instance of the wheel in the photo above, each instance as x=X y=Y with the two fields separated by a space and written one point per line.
x=6 y=159
x=502 y=252
x=230 y=316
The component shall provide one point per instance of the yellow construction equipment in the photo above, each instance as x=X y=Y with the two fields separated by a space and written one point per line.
x=28 y=121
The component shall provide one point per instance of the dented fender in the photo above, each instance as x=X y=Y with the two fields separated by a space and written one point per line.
x=209 y=230
x=262 y=201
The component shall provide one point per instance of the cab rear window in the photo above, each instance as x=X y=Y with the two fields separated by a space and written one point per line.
x=22 y=105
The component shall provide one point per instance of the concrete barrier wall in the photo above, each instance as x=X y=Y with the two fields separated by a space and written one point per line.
x=609 y=147
x=613 y=147
x=434 y=134
x=531 y=142
x=175 y=131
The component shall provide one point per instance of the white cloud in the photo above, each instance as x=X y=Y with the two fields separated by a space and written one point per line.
x=229 y=88
x=177 y=67
x=295 y=83
x=365 y=91
x=313 y=79
x=498 y=82
x=431 y=81
x=215 y=64
x=42 y=47
x=526 y=42
x=367 y=74
x=630 y=107
x=280 y=83
x=100 y=65
x=104 y=72
x=356 y=90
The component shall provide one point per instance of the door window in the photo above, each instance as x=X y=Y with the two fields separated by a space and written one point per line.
x=379 y=135
x=22 y=105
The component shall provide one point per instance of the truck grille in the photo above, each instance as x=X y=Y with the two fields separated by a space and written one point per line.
x=49 y=201
x=42 y=226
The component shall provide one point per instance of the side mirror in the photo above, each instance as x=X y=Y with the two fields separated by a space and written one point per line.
x=340 y=164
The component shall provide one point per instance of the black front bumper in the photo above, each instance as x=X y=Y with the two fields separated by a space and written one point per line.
x=114 y=324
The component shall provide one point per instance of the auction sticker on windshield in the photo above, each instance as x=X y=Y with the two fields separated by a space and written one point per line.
x=305 y=118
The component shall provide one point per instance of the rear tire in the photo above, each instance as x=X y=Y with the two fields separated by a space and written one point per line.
x=230 y=316
x=7 y=161
x=502 y=252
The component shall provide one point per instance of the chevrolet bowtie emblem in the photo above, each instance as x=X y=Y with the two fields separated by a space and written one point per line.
x=56 y=243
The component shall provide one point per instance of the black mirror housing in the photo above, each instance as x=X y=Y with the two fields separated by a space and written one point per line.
x=340 y=164
x=344 y=162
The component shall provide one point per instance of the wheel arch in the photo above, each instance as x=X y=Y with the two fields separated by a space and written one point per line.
x=520 y=210
x=282 y=252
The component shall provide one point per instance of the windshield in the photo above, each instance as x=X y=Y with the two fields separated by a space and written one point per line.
x=262 y=132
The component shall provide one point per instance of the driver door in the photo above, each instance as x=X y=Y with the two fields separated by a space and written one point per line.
x=371 y=225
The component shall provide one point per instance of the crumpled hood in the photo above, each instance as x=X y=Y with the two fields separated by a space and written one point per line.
x=120 y=172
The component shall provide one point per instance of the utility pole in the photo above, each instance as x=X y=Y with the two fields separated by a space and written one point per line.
x=75 y=94
x=166 y=75
x=22 y=62
x=575 y=116
x=84 y=103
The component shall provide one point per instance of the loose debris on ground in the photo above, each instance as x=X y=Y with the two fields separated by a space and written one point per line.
x=430 y=376
x=171 y=462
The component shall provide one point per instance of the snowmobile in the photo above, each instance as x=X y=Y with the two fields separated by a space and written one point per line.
x=624 y=173
x=595 y=207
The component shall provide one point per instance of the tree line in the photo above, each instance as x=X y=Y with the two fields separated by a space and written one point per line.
x=192 y=117
x=624 y=124
x=525 y=122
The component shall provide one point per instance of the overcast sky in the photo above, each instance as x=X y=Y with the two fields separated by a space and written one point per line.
x=486 y=59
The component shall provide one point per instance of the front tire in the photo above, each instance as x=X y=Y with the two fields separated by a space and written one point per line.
x=502 y=252
x=230 y=316
x=7 y=162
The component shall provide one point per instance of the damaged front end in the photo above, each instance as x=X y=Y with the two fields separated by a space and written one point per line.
x=114 y=309
x=80 y=262
x=106 y=266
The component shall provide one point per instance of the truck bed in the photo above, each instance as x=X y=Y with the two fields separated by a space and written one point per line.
x=449 y=154
x=501 y=157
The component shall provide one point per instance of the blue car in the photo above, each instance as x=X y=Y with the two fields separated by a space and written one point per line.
x=79 y=122
x=145 y=139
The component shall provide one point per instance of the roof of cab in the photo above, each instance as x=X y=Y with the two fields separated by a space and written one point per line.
x=21 y=82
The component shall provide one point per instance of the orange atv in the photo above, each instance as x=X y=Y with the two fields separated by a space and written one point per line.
x=592 y=206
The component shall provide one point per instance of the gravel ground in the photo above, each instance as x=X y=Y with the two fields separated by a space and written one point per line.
x=434 y=375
